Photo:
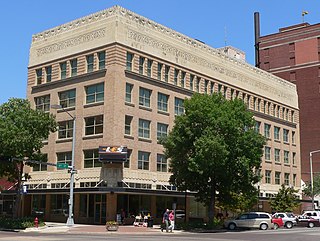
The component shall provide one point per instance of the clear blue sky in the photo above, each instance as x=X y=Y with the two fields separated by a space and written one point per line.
x=211 y=21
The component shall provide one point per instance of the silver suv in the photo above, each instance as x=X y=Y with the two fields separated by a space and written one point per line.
x=289 y=219
x=259 y=220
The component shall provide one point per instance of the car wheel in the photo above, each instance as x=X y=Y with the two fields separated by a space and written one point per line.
x=276 y=226
x=263 y=226
x=289 y=225
x=310 y=225
x=232 y=226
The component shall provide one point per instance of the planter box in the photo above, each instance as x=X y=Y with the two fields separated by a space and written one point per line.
x=112 y=227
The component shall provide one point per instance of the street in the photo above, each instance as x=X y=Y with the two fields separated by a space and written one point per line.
x=295 y=234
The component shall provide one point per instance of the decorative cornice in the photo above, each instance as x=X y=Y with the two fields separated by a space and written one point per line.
x=147 y=23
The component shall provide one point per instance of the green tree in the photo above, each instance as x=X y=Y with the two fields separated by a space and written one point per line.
x=22 y=131
x=286 y=200
x=215 y=151
x=316 y=187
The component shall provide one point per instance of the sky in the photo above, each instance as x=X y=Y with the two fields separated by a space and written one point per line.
x=215 y=22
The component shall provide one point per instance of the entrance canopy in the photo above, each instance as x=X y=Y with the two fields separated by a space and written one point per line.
x=113 y=153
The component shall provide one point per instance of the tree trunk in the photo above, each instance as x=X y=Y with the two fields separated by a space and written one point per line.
x=17 y=204
x=212 y=204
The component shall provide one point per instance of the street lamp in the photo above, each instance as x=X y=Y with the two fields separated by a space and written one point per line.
x=70 y=221
x=311 y=177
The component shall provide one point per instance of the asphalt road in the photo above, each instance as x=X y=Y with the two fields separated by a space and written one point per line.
x=295 y=234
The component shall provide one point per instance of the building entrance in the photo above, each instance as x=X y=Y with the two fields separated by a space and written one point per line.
x=100 y=210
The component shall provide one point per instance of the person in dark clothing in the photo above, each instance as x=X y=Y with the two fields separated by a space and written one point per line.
x=165 y=220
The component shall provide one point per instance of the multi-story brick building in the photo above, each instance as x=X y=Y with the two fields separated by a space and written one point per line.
x=293 y=54
x=124 y=78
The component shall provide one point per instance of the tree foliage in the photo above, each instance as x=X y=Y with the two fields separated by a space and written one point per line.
x=22 y=132
x=215 y=151
x=285 y=200
x=316 y=187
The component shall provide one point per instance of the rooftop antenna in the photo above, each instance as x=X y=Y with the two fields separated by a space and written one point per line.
x=303 y=13
x=225 y=39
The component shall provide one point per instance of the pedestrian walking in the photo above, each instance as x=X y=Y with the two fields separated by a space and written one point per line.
x=171 y=220
x=165 y=220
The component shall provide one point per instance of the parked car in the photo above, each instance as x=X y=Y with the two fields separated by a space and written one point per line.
x=259 y=220
x=289 y=219
x=309 y=219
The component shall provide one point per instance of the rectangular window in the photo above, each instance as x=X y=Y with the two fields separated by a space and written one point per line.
x=94 y=125
x=183 y=77
x=159 y=72
x=41 y=167
x=39 y=76
x=129 y=88
x=126 y=164
x=141 y=64
x=63 y=70
x=144 y=128
x=127 y=125
x=257 y=126
x=90 y=60
x=143 y=160
x=225 y=91
x=95 y=93
x=206 y=83
x=102 y=60
x=219 y=88
x=162 y=130
x=276 y=133
x=286 y=157
x=129 y=61
x=48 y=73
x=293 y=137
x=163 y=102
x=176 y=75
x=144 y=97
x=67 y=98
x=64 y=157
x=178 y=106
x=211 y=87
x=292 y=116
x=287 y=179
x=277 y=155
x=65 y=129
x=267 y=128
x=43 y=103
x=277 y=178
x=91 y=158
x=166 y=73
x=198 y=84
x=74 y=67
x=285 y=135
x=267 y=153
x=162 y=163
x=268 y=176
x=293 y=158
x=294 y=179
x=191 y=81
x=149 y=67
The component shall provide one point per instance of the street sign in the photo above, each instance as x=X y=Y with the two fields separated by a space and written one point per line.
x=62 y=165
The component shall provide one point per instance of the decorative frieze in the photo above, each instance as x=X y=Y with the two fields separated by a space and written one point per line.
x=84 y=38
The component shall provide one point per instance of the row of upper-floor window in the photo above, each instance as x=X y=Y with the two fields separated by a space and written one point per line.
x=70 y=68
x=276 y=133
x=144 y=160
x=183 y=79
x=280 y=178
x=287 y=158
x=95 y=93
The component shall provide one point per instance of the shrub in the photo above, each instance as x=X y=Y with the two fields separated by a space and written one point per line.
x=18 y=223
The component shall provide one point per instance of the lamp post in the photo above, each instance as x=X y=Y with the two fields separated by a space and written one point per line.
x=311 y=177
x=70 y=221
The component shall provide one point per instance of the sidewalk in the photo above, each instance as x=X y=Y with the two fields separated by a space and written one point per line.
x=97 y=229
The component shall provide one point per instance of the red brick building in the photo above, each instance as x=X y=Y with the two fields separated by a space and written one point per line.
x=293 y=54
